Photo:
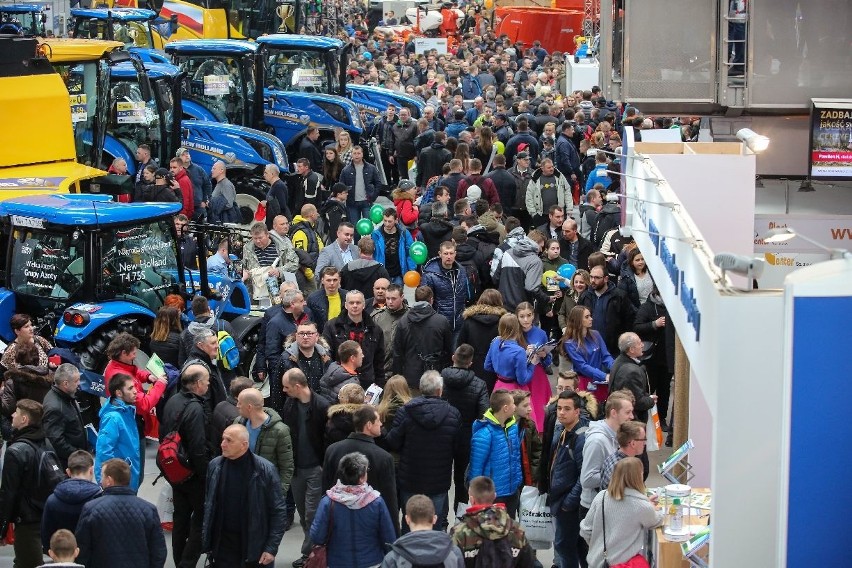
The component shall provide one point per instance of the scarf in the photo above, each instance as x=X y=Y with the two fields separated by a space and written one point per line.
x=353 y=496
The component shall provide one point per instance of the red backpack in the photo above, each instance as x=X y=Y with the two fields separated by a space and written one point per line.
x=172 y=459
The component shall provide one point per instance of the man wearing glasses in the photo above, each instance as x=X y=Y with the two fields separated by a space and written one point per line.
x=631 y=443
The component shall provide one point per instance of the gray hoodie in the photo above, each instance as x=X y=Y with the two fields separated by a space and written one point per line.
x=600 y=443
x=519 y=275
x=424 y=548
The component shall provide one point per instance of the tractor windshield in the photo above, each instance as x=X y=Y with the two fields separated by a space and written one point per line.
x=30 y=23
x=134 y=121
x=131 y=34
x=218 y=84
x=86 y=83
x=46 y=264
x=139 y=262
x=293 y=69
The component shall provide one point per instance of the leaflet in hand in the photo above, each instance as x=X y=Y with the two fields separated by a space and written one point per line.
x=373 y=395
x=546 y=347
x=156 y=366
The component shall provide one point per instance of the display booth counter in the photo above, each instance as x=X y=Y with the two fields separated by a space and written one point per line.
x=667 y=553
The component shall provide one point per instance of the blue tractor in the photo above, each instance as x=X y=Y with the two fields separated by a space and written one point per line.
x=133 y=120
x=326 y=59
x=141 y=31
x=86 y=268
x=23 y=19
x=226 y=82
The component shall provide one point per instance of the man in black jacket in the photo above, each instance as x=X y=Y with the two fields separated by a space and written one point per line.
x=186 y=414
x=573 y=246
x=403 y=131
x=437 y=230
x=62 y=509
x=431 y=160
x=63 y=423
x=506 y=183
x=21 y=498
x=422 y=341
x=380 y=476
x=627 y=372
x=309 y=149
x=353 y=324
x=305 y=413
x=244 y=514
x=425 y=432
x=205 y=352
x=612 y=311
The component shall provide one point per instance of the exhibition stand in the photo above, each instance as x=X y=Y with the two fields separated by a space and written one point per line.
x=753 y=355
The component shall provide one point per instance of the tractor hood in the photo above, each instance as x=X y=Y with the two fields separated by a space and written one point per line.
x=44 y=178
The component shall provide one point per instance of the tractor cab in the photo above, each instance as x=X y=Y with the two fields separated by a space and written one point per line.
x=313 y=64
x=141 y=31
x=135 y=117
x=67 y=250
x=84 y=67
x=23 y=19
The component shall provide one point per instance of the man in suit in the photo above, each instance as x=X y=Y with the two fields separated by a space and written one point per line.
x=339 y=253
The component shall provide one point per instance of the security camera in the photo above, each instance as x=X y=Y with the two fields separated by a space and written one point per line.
x=750 y=267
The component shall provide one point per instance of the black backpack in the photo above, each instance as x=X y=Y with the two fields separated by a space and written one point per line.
x=494 y=554
x=48 y=472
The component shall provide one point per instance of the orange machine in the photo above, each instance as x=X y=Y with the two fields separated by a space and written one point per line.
x=554 y=27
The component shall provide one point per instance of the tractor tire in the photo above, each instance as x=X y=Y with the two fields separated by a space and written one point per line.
x=92 y=353
x=250 y=192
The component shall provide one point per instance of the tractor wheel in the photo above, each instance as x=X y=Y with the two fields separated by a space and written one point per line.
x=250 y=192
x=92 y=353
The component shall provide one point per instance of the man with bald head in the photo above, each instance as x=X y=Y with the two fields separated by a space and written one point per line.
x=244 y=511
x=573 y=246
x=269 y=437
x=185 y=414
x=224 y=198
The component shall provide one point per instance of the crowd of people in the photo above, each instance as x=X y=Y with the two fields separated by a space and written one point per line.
x=360 y=411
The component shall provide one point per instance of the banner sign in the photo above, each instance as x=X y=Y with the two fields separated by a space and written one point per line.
x=832 y=231
x=831 y=139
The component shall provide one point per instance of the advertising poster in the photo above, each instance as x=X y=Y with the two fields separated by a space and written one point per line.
x=831 y=139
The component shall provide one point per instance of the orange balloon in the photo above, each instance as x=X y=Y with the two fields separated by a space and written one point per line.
x=411 y=279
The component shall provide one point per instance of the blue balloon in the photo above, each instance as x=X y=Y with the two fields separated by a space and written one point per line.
x=566 y=271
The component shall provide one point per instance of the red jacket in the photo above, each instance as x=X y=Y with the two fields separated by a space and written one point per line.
x=186 y=193
x=145 y=401
x=406 y=209
x=489 y=190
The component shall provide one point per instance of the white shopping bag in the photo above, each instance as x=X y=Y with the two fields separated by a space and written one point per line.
x=166 y=505
x=536 y=519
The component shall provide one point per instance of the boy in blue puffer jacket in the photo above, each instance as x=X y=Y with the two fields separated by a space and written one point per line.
x=496 y=450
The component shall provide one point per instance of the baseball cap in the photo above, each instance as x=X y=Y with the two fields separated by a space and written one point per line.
x=502 y=116
x=181 y=151
x=406 y=185
x=353 y=73
x=474 y=192
x=162 y=173
x=523 y=155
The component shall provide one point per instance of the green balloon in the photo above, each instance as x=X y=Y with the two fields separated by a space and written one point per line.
x=364 y=227
x=418 y=252
x=377 y=213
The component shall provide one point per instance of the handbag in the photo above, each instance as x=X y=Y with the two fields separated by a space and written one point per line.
x=636 y=561
x=318 y=558
x=653 y=431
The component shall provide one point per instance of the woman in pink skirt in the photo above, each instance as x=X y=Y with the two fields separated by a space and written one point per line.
x=511 y=359
x=588 y=353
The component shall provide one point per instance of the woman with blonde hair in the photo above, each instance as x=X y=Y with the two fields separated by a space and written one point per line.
x=588 y=353
x=580 y=282
x=395 y=395
x=344 y=148
x=616 y=523
x=463 y=154
x=165 y=336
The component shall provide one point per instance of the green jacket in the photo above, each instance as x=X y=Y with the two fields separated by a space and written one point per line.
x=275 y=445
x=491 y=523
